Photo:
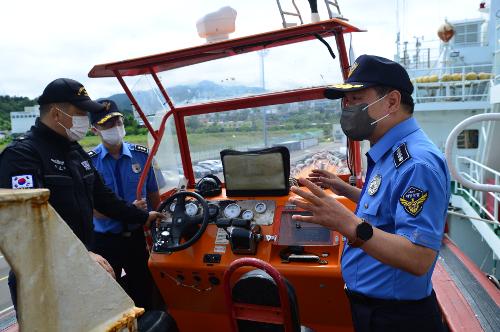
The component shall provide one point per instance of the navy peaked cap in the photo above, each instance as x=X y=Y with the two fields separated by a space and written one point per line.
x=368 y=71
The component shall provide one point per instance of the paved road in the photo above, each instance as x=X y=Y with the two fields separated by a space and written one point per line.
x=4 y=288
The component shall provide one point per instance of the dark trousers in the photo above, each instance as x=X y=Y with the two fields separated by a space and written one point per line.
x=127 y=251
x=374 y=315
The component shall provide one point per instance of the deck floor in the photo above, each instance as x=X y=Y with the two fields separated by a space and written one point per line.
x=484 y=307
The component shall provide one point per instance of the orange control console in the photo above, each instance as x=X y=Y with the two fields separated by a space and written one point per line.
x=307 y=255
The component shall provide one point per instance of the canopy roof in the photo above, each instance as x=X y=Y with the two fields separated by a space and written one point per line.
x=207 y=52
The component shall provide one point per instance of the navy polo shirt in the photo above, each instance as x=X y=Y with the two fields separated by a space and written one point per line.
x=122 y=176
x=406 y=193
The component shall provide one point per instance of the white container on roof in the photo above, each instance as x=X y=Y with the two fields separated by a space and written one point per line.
x=218 y=25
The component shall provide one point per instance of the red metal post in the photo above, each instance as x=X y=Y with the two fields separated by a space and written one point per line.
x=181 y=131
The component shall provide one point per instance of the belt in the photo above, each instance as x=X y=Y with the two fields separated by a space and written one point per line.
x=359 y=298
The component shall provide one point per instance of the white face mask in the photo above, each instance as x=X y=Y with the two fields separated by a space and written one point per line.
x=79 y=129
x=113 y=136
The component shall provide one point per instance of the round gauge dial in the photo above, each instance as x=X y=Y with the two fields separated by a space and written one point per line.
x=232 y=211
x=191 y=209
x=172 y=207
x=260 y=207
x=247 y=215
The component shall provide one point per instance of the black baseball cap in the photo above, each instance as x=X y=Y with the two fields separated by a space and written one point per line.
x=66 y=90
x=368 y=71
x=110 y=110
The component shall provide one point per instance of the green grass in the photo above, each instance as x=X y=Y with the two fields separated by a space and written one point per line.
x=90 y=142
x=202 y=141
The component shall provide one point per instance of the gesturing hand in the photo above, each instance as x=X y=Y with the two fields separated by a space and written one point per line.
x=326 y=210
x=327 y=179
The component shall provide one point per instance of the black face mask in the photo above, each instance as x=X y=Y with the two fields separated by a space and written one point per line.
x=356 y=123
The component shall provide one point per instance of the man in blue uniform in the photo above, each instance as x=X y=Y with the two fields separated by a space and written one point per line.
x=395 y=233
x=120 y=165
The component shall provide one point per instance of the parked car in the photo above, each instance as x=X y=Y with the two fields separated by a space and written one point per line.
x=216 y=164
x=200 y=172
x=213 y=169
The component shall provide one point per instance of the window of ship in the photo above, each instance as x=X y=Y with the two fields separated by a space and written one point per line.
x=468 y=33
x=468 y=139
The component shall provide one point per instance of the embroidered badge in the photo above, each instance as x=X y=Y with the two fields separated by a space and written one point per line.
x=24 y=181
x=413 y=200
x=374 y=185
x=352 y=69
x=136 y=168
x=82 y=92
x=141 y=148
x=58 y=164
x=401 y=155
x=92 y=153
x=86 y=165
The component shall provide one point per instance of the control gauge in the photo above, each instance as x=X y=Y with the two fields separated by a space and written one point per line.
x=172 y=207
x=232 y=210
x=247 y=215
x=191 y=209
x=213 y=210
x=260 y=207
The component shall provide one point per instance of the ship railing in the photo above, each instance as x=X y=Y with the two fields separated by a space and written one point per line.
x=474 y=90
x=472 y=181
x=452 y=84
x=478 y=198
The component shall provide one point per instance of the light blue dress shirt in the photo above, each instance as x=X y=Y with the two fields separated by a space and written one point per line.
x=406 y=193
x=122 y=176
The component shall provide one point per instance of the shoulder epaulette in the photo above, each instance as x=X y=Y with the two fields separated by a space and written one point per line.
x=140 y=148
x=92 y=153
x=401 y=155
x=21 y=138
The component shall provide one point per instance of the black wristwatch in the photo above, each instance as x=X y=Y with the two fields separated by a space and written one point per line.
x=364 y=232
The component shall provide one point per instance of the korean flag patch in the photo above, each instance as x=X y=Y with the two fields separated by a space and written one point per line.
x=22 y=181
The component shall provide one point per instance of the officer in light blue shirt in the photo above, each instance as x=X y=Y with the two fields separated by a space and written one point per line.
x=395 y=234
x=121 y=164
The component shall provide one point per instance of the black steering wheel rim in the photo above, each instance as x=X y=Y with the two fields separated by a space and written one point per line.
x=179 y=223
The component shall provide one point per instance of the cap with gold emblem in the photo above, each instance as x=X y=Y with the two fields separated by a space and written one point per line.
x=368 y=71
x=66 y=90
x=110 y=111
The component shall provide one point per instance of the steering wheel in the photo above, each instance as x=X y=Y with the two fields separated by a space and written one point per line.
x=166 y=238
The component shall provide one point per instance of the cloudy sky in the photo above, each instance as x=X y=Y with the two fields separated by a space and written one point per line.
x=44 y=40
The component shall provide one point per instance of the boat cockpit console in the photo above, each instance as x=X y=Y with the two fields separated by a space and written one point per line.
x=251 y=217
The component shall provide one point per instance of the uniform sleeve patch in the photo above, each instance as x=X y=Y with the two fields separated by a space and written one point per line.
x=92 y=153
x=24 y=181
x=140 y=148
x=413 y=200
x=401 y=155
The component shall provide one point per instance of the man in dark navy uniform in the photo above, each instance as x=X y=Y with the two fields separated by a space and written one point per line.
x=396 y=231
x=121 y=165
x=49 y=156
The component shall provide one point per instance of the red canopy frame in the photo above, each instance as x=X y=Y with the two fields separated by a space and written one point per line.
x=207 y=52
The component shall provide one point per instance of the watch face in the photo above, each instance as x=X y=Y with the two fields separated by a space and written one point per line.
x=364 y=231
